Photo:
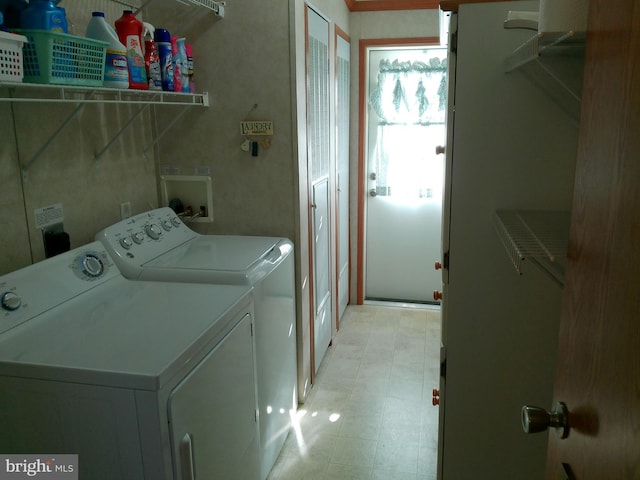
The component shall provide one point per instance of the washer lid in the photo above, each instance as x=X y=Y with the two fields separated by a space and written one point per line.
x=217 y=252
x=129 y=334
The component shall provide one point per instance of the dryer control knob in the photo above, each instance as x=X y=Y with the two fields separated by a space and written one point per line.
x=166 y=224
x=125 y=242
x=11 y=301
x=138 y=237
x=153 y=231
x=175 y=221
x=92 y=265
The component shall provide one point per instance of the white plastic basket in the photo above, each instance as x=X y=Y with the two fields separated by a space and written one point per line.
x=11 y=69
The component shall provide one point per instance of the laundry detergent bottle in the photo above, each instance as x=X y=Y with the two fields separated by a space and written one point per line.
x=129 y=30
x=44 y=15
x=116 y=73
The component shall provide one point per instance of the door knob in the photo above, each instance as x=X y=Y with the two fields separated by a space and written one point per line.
x=437 y=295
x=536 y=419
x=372 y=175
x=439 y=149
x=373 y=192
x=438 y=266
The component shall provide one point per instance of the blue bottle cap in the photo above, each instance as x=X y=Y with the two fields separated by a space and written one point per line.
x=162 y=35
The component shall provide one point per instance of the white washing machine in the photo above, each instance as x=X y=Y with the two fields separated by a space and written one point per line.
x=143 y=380
x=157 y=245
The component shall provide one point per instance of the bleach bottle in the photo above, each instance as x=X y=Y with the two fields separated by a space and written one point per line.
x=116 y=73
x=129 y=30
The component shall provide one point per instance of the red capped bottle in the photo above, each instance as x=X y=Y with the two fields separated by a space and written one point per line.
x=129 y=30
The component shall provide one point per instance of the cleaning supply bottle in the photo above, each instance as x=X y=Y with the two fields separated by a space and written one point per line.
x=116 y=73
x=151 y=58
x=184 y=64
x=162 y=38
x=129 y=30
x=44 y=15
x=189 y=49
x=177 y=64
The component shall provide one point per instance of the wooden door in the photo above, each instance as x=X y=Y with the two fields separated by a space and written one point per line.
x=598 y=365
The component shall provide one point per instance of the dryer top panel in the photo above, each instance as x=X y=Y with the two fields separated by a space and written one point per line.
x=115 y=331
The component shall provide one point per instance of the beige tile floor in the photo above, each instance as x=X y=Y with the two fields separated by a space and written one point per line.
x=369 y=414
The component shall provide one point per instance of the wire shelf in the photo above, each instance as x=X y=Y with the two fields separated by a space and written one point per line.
x=541 y=236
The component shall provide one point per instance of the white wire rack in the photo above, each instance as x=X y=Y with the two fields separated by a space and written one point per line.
x=541 y=44
x=541 y=236
x=554 y=61
x=16 y=92
x=215 y=6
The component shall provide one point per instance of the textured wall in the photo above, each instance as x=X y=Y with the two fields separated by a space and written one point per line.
x=66 y=171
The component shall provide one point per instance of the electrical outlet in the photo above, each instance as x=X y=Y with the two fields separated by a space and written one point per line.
x=125 y=210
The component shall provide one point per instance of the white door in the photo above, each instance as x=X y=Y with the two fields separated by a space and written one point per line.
x=404 y=178
x=213 y=413
x=319 y=132
x=342 y=152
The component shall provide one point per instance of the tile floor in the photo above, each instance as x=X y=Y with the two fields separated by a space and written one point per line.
x=369 y=415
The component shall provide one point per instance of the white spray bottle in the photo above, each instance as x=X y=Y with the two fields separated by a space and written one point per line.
x=151 y=58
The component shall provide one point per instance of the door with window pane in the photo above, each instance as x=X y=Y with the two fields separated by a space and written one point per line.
x=404 y=178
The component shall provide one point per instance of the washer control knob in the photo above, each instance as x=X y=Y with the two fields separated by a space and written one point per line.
x=11 y=301
x=175 y=221
x=138 y=237
x=126 y=243
x=166 y=224
x=153 y=231
x=92 y=265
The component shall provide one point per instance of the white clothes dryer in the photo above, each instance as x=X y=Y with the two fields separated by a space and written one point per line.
x=142 y=380
x=157 y=245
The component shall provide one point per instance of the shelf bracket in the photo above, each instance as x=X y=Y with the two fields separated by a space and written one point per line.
x=100 y=154
x=44 y=147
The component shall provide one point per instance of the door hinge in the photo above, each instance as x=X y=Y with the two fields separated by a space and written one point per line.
x=443 y=361
x=445 y=260
x=453 y=43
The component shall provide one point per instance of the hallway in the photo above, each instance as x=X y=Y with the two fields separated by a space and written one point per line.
x=369 y=415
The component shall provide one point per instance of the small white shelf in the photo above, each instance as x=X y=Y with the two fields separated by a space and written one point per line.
x=554 y=61
x=540 y=236
x=213 y=5
x=17 y=92
x=541 y=44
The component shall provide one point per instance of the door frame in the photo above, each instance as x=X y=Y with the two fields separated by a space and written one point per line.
x=339 y=33
x=363 y=65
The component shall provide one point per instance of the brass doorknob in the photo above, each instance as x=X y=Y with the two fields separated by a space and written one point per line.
x=437 y=295
x=438 y=266
x=536 y=419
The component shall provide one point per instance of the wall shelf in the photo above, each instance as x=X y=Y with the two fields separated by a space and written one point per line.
x=554 y=61
x=540 y=236
x=213 y=5
x=80 y=96
x=38 y=93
